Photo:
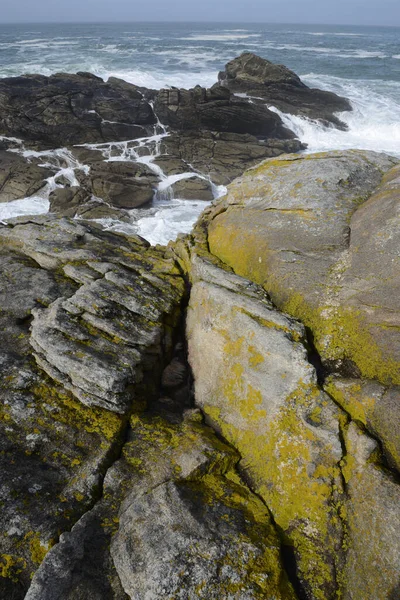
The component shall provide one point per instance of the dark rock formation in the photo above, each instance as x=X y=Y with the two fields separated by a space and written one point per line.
x=193 y=188
x=223 y=156
x=71 y=109
x=122 y=184
x=282 y=88
x=216 y=109
x=19 y=178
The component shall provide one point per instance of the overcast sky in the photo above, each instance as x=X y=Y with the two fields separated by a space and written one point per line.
x=357 y=12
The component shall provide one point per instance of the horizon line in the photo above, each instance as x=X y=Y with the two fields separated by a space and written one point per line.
x=124 y=22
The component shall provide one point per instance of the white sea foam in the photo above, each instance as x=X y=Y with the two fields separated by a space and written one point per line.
x=374 y=123
x=34 y=205
x=161 y=79
x=221 y=37
x=396 y=56
x=178 y=216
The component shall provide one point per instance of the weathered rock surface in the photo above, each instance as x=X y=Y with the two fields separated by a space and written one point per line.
x=193 y=188
x=54 y=450
x=186 y=460
x=306 y=448
x=99 y=341
x=373 y=514
x=320 y=233
x=72 y=109
x=256 y=387
x=122 y=184
x=19 y=178
x=223 y=156
x=216 y=109
x=281 y=88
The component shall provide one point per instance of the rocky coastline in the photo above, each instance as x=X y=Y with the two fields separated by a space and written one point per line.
x=213 y=419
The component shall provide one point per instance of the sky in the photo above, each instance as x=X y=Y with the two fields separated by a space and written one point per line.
x=352 y=12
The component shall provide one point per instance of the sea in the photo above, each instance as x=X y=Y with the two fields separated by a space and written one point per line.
x=360 y=63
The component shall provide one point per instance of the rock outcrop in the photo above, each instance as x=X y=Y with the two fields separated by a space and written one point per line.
x=255 y=76
x=19 y=178
x=321 y=452
x=66 y=109
x=216 y=109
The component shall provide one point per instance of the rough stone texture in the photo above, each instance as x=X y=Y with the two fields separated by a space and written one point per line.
x=122 y=184
x=101 y=340
x=72 y=109
x=195 y=188
x=374 y=407
x=289 y=226
x=223 y=156
x=282 y=88
x=156 y=454
x=373 y=516
x=256 y=387
x=216 y=109
x=78 y=202
x=320 y=233
x=107 y=346
x=19 y=178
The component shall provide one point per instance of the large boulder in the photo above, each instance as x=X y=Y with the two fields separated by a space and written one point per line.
x=282 y=88
x=256 y=387
x=174 y=518
x=320 y=234
x=20 y=178
x=72 y=109
x=122 y=184
x=322 y=453
x=216 y=109
x=223 y=156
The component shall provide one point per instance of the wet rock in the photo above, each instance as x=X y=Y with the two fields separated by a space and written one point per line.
x=71 y=109
x=224 y=156
x=282 y=88
x=65 y=201
x=20 y=178
x=217 y=110
x=122 y=184
x=171 y=165
x=193 y=188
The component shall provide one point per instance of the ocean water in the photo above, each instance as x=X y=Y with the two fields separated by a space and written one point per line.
x=361 y=63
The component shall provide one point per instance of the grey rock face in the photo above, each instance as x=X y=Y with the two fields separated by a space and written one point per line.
x=71 y=109
x=122 y=184
x=319 y=232
x=223 y=156
x=282 y=88
x=195 y=188
x=196 y=540
x=19 y=178
x=92 y=341
x=217 y=110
